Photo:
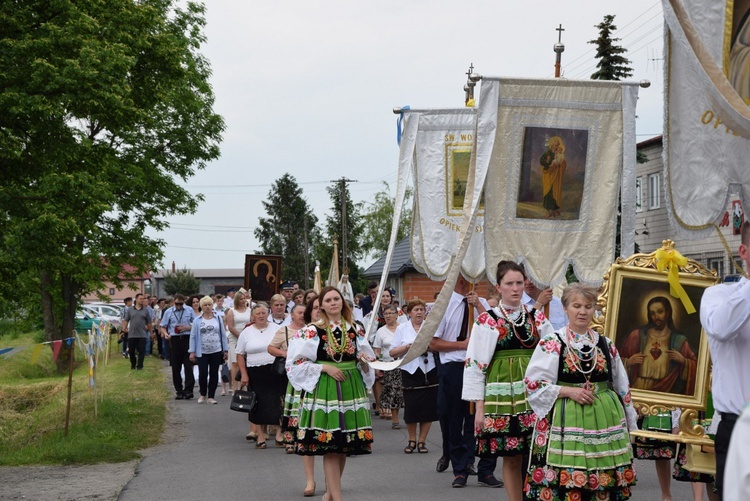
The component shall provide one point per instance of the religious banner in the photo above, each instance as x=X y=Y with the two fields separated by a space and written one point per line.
x=707 y=124
x=439 y=160
x=559 y=152
x=262 y=276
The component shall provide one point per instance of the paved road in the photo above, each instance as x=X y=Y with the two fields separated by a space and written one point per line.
x=207 y=457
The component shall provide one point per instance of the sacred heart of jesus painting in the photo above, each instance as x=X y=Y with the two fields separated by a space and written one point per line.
x=553 y=169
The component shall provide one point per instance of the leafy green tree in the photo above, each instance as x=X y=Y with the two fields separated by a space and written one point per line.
x=613 y=65
x=377 y=219
x=103 y=106
x=283 y=232
x=181 y=281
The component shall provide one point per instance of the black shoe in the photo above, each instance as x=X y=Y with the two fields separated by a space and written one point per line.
x=179 y=396
x=459 y=481
x=188 y=396
x=470 y=470
x=442 y=464
x=132 y=368
x=490 y=481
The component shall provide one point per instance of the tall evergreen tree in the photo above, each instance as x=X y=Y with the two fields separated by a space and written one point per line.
x=283 y=231
x=104 y=106
x=613 y=65
x=333 y=228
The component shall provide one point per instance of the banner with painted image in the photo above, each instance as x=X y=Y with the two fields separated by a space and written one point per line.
x=440 y=166
x=554 y=174
x=707 y=124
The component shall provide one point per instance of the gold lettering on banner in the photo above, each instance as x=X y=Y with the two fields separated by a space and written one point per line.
x=457 y=228
x=450 y=137
x=710 y=118
x=467 y=137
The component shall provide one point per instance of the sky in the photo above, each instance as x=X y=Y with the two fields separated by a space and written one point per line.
x=308 y=88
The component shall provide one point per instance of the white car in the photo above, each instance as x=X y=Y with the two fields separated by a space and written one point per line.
x=106 y=312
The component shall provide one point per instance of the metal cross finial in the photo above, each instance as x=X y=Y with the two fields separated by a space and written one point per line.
x=559 y=30
x=471 y=69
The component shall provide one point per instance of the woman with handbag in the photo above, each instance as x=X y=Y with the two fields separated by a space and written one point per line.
x=392 y=396
x=290 y=416
x=256 y=366
x=208 y=344
x=328 y=360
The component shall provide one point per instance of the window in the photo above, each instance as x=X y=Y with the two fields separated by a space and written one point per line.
x=715 y=261
x=111 y=291
x=639 y=194
x=654 y=191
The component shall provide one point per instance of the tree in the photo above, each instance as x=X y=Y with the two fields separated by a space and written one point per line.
x=290 y=221
x=612 y=64
x=377 y=219
x=181 y=281
x=334 y=228
x=102 y=106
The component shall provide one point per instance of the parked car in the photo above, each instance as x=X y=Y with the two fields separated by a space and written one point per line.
x=85 y=321
x=105 y=312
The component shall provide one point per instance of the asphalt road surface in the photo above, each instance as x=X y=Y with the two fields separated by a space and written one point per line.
x=206 y=456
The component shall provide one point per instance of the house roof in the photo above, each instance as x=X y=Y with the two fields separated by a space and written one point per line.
x=400 y=263
x=649 y=142
x=209 y=273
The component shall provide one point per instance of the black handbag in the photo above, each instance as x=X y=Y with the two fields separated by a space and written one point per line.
x=279 y=363
x=243 y=400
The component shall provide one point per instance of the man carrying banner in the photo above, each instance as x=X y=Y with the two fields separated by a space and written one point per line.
x=175 y=327
x=725 y=314
x=456 y=423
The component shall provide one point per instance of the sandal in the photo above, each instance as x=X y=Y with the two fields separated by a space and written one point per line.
x=395 y=426
x=260 y=445
x=279 y=443
x=410 y=447
x=290 y=449
x=422 y=448
x=251 y=436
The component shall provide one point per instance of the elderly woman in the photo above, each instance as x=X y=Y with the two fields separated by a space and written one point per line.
x=328 y=360
x=392 y=397
x=236 y=320
x=577 y=385
x=500 y=347
x=278 y=315
x=208 y=344
x=419 y=379
x=256 y=367
x=278 y=348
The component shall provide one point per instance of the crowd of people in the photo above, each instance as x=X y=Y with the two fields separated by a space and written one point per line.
x=519 y=376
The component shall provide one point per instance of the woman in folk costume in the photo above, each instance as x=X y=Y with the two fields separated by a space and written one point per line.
x=579 y=390
x=329 y=361
x=501 y=344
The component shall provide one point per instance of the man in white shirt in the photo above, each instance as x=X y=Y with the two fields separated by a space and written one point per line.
x=738 y=460
x=456 y=423
x=725 y=315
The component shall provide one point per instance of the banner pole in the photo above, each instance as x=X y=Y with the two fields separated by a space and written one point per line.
x=70 y=386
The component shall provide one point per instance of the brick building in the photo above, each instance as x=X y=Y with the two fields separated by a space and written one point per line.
x=404 y=278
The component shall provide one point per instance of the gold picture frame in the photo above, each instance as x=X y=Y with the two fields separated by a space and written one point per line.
x=636 y=306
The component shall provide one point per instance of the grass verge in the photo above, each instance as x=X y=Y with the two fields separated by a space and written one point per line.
x=131 y=409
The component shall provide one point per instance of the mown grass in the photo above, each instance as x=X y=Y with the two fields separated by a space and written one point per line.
x=131 y=409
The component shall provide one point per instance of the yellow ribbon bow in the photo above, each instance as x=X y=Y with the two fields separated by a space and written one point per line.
x=670 y=258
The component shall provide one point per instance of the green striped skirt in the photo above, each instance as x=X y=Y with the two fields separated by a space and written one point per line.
x=335 y=417
x=580 y=451
x=508 y=418
x=290 y=414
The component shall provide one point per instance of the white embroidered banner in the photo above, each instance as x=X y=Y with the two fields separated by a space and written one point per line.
x=440 y=166
x=553 y=177
x=707 y=124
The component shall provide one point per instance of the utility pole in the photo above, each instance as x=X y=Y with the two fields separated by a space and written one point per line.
x=344 y=251
x=307 y=255
x=559 y=48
